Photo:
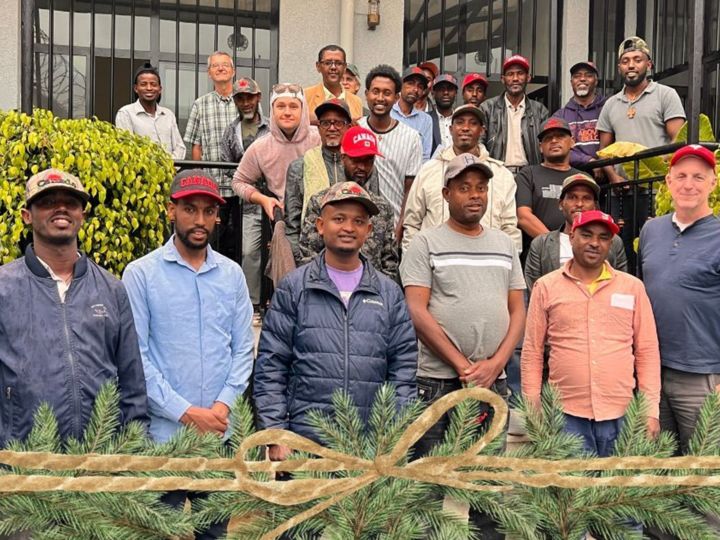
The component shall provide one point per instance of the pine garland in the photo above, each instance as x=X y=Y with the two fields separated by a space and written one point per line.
x=389 y=508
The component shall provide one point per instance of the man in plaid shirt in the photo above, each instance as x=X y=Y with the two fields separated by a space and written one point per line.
x=211 y=114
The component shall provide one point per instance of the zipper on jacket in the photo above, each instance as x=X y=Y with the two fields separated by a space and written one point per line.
x=71 y=362
x=347 y=347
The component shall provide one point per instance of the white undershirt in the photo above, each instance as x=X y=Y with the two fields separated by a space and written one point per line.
x=681 y=226
x=62 y=285
x=565 y=248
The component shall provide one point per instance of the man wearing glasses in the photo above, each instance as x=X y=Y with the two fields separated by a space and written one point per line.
x=331 y=65
x=317 y=169
x=211 y=114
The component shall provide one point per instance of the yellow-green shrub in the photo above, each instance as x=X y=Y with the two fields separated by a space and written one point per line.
x=128 y=178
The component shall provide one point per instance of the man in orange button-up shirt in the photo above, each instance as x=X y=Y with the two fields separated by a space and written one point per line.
x=600 y=329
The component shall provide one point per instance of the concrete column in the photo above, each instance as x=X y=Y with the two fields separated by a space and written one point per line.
x=10 y=59
x=576 y=15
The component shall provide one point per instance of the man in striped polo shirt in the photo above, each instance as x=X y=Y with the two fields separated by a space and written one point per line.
x=399 y=143
x=465 y=291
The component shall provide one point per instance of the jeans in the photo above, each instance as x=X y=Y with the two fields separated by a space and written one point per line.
x=252 y=215
x=429 y=391
x=176 y=499
x=599 y=437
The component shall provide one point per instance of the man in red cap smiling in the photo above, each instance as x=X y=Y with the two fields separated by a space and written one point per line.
x=359 y=151
x=680 y=262
x=598 y=324
x=514 y=120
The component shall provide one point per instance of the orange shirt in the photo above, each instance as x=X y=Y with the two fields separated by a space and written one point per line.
x=598 y=342
x=315 y=95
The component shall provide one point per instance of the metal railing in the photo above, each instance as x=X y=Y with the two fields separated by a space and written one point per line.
x=632 y=203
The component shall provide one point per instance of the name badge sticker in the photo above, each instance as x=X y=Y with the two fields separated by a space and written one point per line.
x=623 y=301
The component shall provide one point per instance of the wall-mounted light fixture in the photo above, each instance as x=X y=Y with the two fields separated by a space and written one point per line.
x=373 y=17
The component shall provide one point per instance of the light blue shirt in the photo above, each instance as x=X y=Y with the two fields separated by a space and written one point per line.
x=195 y=333
x=421 y=122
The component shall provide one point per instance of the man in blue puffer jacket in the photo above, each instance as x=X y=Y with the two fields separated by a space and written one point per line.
x=335 y=323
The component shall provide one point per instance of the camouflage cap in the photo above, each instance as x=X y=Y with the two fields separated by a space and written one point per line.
x=352 y=68
x=246 y=85
x=349 y=191
x=633 y=43
x=51 y=179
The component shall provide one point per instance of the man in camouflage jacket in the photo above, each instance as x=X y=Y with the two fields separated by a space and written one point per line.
x=359 y=151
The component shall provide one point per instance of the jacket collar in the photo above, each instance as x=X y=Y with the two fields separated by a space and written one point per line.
x=318 y=277
x=37 y=268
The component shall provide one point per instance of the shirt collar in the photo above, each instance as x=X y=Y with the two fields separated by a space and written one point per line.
x=649 y=89
x=509 y=105
x=413 y=111
x=330 y=95
x=221 y=98
x=170 y=253
x=606 y=274
x=137 y=108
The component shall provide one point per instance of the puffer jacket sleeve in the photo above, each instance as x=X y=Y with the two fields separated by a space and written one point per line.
x=275 y=356
x=402 y=350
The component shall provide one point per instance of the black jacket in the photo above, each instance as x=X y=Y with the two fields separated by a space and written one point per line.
x=312 y=345
x=62 y=352
x=495 y=135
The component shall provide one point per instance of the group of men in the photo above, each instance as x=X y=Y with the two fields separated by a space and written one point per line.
x=413 y=270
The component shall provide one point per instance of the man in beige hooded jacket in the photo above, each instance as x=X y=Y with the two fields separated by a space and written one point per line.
x=425 y=206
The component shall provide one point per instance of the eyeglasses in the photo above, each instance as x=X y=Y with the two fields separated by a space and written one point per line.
x=290 y=88
x=333 y=63
x=333 y=123
x=223 y=64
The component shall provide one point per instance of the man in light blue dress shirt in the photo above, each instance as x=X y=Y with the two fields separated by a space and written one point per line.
x=193 y=318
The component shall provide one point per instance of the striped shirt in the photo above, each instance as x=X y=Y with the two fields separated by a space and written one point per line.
x=469 y=278
x=210 y=115
x=403 y=153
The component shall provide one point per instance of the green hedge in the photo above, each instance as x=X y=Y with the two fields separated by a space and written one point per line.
x=128 y=178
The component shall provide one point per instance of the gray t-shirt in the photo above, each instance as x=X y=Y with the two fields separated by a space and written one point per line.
x=655 y=106
x=469 y=278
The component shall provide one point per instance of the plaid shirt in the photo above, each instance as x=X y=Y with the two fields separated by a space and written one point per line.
x=209 y=116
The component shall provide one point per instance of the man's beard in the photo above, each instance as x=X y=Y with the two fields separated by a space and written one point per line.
x=184 y=237
x=635 y=82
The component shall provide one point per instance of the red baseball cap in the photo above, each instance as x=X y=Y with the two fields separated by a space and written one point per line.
x=194 y=182
x=431 y=67
x=553 y=123
x=359 y=142
x=595 y=216
x=474 y=77
x=516 y=60
x=697 y=151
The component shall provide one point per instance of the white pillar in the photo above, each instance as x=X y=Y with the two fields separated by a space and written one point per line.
x=10 y=59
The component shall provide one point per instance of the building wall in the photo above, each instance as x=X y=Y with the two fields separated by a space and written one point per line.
x=574 y=47
x=304 y=31
x=10 y=58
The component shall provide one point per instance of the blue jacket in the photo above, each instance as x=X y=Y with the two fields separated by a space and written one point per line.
x=61 y=353
x=311 y=345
